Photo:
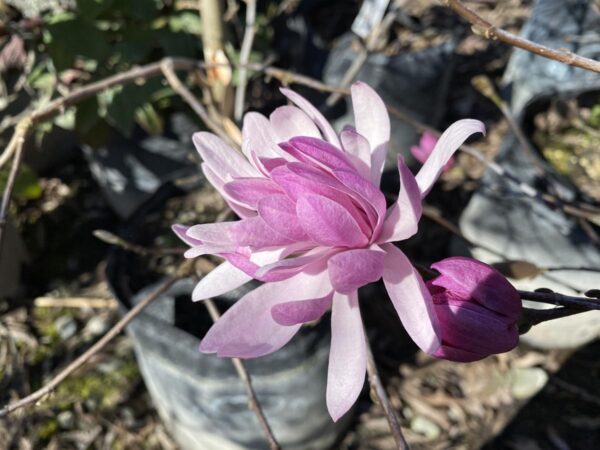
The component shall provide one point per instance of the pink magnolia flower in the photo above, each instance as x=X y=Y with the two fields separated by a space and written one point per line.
x=314 y=227
x=477 y=309
x=426 y=145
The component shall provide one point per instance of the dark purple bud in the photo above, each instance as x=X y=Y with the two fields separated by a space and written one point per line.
x=477 y=309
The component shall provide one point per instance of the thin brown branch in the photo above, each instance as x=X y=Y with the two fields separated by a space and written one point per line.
x=168 y=70
x=113 y=239
x=486 y=88
x=247 y=382
x=184 y=270
x=240 y=93
x=17 y=142
x=482 y=27
x=436 y=217
x=371 y=43
x=573 y=209
x=379 y=392
x=135 y=74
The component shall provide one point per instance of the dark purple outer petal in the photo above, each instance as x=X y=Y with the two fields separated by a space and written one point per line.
x=472 y=279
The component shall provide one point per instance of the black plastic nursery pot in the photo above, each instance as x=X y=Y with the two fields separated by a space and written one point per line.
x=200 y=397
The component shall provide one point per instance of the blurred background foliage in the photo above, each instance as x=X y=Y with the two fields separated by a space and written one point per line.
x=48 y=48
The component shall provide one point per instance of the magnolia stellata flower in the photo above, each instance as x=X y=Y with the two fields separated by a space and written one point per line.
x=477 y=309
x=426 y=145
x=314 y=227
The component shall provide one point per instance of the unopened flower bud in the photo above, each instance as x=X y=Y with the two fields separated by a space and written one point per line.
x=477 y=309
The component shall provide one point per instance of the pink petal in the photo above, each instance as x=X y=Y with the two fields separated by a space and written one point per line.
x=286 y=268
x=419 y=153
x=370 y=198
x=472 y=327
x=422 y=151
x=279 y=213
x=411 y=299
x=372 y=122
x=297 y=179
x=219 y=184
x=289 y=121
x=249 y=262
x=181 y=232
x=352 y=269
x=248 y=330
x=428 y=141
x=222 y=158
x=272 y=163
x=403 y=216
x=448 y=143
x=457 y=354
x=328 y=223
x=207 y=249
x=249 y=191
x=344 y=187
x=219 y=281
x=358 y=148
x=259 y=137
x=214 y=233
x=314 y=115
x=302 y=311
x=470 y=278
x=252 y=232
x=347 y=355
x=310 y=150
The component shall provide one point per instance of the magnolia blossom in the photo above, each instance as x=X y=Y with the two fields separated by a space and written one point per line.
x=477 y=309
x=314 y=228
x=426 y=145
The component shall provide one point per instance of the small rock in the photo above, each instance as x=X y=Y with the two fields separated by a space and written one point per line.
x=66 y=327
x=127 y=416
x=96 y=326
x=525 y=383
x=66 y=420
x=425 y=426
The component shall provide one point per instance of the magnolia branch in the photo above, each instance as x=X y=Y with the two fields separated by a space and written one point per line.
x=245 y=377
x=483 y=28
x=168 y=70
x=240 y=93
x=379 y=391
x=553 y=298
x=183 y=271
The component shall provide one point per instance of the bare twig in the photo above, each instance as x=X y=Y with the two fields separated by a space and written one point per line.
x=436 y=217
x=371 y=43
x=240 y=94
x=484 y=85
x=113 y=239
x=246 y=381
x=578 y=210
x=16 y=142
x=379 y=392
x=212 y=46
x=531 y=317
x=99 y=345
x=167 y=67
x=585 y=303
x=483 y=28
x=75 y=302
